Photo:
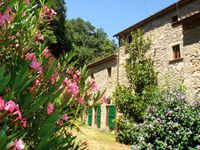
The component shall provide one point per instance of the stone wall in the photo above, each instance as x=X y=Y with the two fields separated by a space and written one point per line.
x=163 y=36
x=100 y=73
x=101 y=77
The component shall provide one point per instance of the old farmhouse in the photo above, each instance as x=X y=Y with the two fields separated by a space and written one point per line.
x=175 y=51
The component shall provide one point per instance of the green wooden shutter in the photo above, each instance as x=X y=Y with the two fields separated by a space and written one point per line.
x=111 y=117
x=98 y=116
x=90 y=117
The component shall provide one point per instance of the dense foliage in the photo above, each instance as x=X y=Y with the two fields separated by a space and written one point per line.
x=173 y=124
x=132 y=101
x=40 y=97
x=89 y=43
x=54 y=29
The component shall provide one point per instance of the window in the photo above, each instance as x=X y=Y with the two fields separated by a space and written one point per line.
x=109 y=72
x=107 y=108
x=92 y=76
x=95 y=115
x=176 y=52
x=129 y=39
x=174 y=18
x=120 y=42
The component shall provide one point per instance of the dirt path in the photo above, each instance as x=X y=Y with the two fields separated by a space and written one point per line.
x=99 y=140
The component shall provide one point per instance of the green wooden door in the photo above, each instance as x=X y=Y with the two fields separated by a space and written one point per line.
x=111 y=117
x=90 y=117
x=98 y=116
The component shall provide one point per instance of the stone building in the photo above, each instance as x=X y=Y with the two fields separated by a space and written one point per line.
x=104 y=72
x=175 y=51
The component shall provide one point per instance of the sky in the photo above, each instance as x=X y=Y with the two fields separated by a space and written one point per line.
x=114 y=15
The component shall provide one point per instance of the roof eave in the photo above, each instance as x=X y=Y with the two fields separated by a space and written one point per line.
x=152 y=17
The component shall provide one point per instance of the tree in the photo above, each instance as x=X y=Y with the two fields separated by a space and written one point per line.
x=88 y=42
x=54 y=31
x=133 y=101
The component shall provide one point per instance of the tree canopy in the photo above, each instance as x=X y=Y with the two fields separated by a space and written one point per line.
x=89 y=43
x=54 y=31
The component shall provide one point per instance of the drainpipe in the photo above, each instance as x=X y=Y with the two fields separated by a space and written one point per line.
x=118 y=57
x=177 y=9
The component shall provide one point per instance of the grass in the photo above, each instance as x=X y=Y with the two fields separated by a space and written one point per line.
x=98 y=139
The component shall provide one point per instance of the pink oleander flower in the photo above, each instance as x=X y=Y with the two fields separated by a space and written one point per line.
x=30 y=56
x=78 y=73
x=62 y=85
x=70 y=70
x=51 y=59
x=2 y=103
x=18 y=112
x=19 y=144
x=1 y=3
x=60 y=122
x=4 y=17
x=50 y=108
x=80 y=100
x=39 y=36
x=46 y=53
x=198 y=147
x=49 y=12
x=10 y=106
x=8 y=9
x=65 y=117
x=37 y=82
x=75 y=77
x=94 y=85
x=46 y=9
x=104 y=99
x=53 y=77
x=31 y=89
x=23 y=122
x=27 y=2
x=67 y=81
x=74 y=89
x=36 y=65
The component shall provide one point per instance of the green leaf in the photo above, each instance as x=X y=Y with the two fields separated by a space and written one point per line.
x=21 y=78
x=2 y=71
x=3 y=138
x=26 y=101
x=50 y=70
x=38 y=103
x=4 y=83
x=49 y=127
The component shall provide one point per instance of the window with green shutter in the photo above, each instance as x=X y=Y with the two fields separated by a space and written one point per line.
x=90 y=117
x=111 y=116
x=98 y=114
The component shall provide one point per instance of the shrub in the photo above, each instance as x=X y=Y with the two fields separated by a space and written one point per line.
x=173 y=125
x=40 y=96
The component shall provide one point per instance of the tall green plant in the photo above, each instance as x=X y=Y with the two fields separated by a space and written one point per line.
x=140 y=71
x=133 y=101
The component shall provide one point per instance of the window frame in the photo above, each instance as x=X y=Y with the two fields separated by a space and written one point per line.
x=174 y=18
x=176 y=51
x=109 y=71
x=92 y=76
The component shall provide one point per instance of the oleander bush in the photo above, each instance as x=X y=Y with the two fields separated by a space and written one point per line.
x=40 y=96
